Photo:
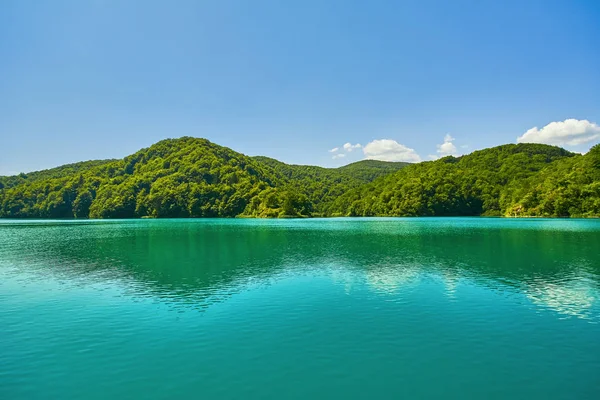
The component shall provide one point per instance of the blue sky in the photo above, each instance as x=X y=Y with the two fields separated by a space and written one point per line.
x=293 y=80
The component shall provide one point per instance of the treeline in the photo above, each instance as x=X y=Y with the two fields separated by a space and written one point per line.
x=178 y=178
x=190 y=177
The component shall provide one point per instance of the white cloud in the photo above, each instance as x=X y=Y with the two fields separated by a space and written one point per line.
x=432 y=156
x=571 y=132
x=349 y=146
x=390 y=150
x=447 y=148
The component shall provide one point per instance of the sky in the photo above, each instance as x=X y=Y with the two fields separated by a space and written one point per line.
x=306 y=82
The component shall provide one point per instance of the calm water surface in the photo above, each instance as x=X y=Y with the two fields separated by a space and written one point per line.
x=338 y=308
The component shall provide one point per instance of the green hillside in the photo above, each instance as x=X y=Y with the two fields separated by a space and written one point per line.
x=58 y=172
x=186 y=177
x=515 y=180
x=567 y=188
x=191 y=177
x=369 y=170
x=323 y=185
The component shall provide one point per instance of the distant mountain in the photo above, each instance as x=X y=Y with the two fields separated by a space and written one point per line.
x=323 y=185
x=369 y=170
x=191 y=177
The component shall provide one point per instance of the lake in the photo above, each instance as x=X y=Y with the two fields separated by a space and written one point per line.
x=314 y=308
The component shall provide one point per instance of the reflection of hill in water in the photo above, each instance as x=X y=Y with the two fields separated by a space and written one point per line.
x=199 y=261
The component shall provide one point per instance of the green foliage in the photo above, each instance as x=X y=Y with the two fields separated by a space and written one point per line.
x=190 y=177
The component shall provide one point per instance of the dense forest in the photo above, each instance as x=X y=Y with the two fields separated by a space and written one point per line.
x=191 y=177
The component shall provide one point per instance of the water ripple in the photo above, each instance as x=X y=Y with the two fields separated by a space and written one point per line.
x=311 y=308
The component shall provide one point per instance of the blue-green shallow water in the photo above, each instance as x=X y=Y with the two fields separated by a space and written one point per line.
x=337 y=308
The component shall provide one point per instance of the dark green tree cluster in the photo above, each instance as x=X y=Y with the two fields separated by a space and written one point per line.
x=177 y=178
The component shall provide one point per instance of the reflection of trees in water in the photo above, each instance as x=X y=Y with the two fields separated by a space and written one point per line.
x=195 y=264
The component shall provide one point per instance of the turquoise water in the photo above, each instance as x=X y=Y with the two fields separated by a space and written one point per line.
x=337 y=308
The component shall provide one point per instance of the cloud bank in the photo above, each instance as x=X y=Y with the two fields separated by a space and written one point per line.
x=349 y=146
x=447 y=148
x=338 y=152
x=570 y=132
x=390 y=150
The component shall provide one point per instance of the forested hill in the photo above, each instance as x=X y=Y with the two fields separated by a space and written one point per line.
x=191 y=177
x=58 y=172
x=186 y=177
x=323 y=185
x=369 y=170
x=363 y=171
x=509 y=180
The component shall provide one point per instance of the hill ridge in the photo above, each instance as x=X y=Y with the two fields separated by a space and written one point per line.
x=194 y=177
